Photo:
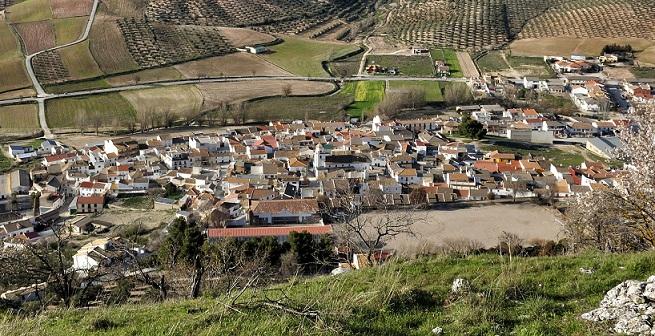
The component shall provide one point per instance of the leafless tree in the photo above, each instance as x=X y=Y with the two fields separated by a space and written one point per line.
x=168 y=117
x=457 y=94
x=286 y=90
x=365 y=230
x=80 y=121
x=621 y=217
x=510 y=242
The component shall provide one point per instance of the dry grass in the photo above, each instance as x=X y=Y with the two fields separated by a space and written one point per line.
x=9 y=45
x=79 y=62
x=109 y=49
x=13 y=74
x=112 y=107
x=124 y=8
x=37 y=36
x=240 y=64
x=69 y=29
x=566 y=46
x=70 y=8
x=18 y=117
x=144 y=76
x=28 y=11
x=18 y=93
x=239 y=37
x=184 y=100
x=215 y=93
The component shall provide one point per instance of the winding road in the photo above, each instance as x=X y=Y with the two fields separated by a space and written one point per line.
x=41 y=95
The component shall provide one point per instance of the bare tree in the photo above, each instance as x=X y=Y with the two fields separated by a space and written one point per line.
x=80 y=121
x=622 y=217
x=168 y=117
x=510 y=242
x=457 y=94
x=286 y=90
x=369 y=231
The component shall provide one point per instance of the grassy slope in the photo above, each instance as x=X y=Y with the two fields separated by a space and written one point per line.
x=303 y=57
x=532 y=296
x=492 y=62
x=432 y=89
x=79 y=62
x=556 y=155
x=296 y=108
x=62 y=113
x=30 y=10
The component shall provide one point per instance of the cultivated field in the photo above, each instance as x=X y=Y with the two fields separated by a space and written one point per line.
x=414 y=66
x=215 y=93
x=18 y=93
x=366 y=95
x=299 y=108
x=346 y=67
x=109 y=49
x=36 y=36
x=13 y=74
x=79 y=62
x=304 y=57
x=124 y=8
x=18 y=118
x=144 y=76
x=184 y=100
x=28 y=11
x=483 y=224
x=69 y=29
x=240 y=37
x=238 y=64
x=71 y=113
x=70 y=8
x=570 y=45
x=432 y=89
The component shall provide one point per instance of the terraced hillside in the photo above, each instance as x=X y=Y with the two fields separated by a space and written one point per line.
x=485 y=24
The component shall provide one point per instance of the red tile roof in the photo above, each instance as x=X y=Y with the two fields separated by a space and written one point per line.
x=91 y=200
x=274 y=231
x=286 y=206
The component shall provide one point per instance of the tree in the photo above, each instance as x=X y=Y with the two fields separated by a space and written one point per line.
x=168 y=117
x=394 y=102
x=36 y=203
x=368 y=232
x=621 y=217
x=457 y=94
x=471 y=128
x=287 y=90
x=80 y=121
x=184 y=247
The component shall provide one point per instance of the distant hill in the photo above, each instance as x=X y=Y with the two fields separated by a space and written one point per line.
x=531 y=296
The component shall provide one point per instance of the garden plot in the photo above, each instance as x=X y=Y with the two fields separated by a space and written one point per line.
x=414 y=66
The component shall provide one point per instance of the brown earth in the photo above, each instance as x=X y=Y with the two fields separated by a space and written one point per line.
x=70 y=8
x=215 y=93
x=239 y=64
x=109 y=49
x=37 y=36
x=240 y=37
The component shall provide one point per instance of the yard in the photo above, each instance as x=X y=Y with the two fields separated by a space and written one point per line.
x=367 y=95
x=413 y=66
x=432 y=89
x=305 y=57
x=449 y=56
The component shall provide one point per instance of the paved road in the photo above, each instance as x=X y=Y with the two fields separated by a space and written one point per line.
x=40 y=92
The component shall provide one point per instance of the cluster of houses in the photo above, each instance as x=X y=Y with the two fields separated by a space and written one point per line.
x=274 y=179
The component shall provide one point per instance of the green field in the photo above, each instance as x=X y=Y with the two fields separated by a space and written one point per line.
x=643 y=72
x=12 y=69
x=557 y=156
x=304 y=57
x=432 y=89
x=413 y=66
x=69 y=29
x=111 y=108
x=297 y=108
x=79 y=62
x=449 y=56
x=78 y=86
x=346 y=67
x=529 y=296
x=367 y=94
x=492 y=62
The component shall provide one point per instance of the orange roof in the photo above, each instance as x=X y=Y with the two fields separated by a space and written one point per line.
x=279 y=231
x=96 y=199
x=286 y=206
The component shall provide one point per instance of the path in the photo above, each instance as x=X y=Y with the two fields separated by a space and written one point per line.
x=41 y=95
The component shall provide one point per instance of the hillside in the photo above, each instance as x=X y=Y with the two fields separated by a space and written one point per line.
x=532 y=296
